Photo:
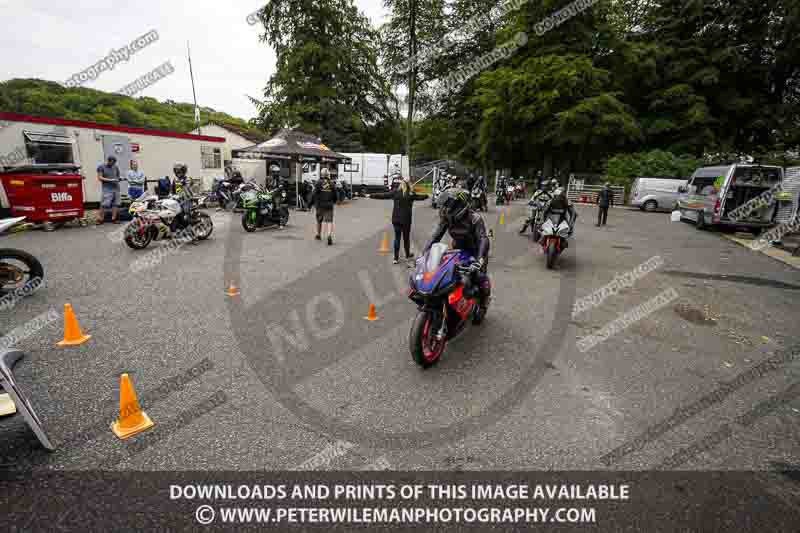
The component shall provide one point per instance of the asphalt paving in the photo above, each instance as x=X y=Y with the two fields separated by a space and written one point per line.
x=297 y=377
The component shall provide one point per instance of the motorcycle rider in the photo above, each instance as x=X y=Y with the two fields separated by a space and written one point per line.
x=560 y=202
x=544 y=194
x=183 y=188
x=468 y=231
x=274 y=177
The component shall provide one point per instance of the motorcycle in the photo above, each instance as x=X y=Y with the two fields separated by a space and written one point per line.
x=555 y=233
x=441 y=185
x=223 y=193
x=478 y=199
x=264 y=208
x=538 y=205
x=504 y=194
x=157 y=219
x=519 y=190
x=447 y=301
x=19 y=271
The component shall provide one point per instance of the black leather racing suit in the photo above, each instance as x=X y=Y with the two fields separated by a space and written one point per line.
x=469 y=234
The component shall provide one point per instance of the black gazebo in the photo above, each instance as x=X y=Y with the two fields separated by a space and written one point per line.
x=292 y=146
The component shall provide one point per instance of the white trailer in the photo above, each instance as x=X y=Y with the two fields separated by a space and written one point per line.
x=26 y=139
x=370 y=172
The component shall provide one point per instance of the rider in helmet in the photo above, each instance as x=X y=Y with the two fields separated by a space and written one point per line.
x=468 y=232
x=275 y=176
x=561 y=203
x=182 y=187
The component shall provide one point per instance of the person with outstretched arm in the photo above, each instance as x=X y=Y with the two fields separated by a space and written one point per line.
x=404 y=198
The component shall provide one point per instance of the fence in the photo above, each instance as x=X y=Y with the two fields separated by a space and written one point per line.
x=580 y=193
x=791 y=184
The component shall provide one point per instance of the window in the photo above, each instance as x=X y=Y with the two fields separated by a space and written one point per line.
x=211 y=157
x=48 y=148
x=351 y=167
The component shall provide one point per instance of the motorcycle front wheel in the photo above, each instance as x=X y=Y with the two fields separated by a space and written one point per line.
x=250 y=221
x=551 y=254
x=19 y=269
x=425 y=349
x=135 y=239
x=203 y=227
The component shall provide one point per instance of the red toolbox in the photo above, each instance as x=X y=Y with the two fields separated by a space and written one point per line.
x=44 y=193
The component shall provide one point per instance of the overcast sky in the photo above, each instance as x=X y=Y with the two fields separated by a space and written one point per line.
x=53 y=40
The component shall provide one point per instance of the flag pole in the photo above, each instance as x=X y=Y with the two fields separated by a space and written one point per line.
x=194 y=94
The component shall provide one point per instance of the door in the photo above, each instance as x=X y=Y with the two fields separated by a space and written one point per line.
x=119 y=147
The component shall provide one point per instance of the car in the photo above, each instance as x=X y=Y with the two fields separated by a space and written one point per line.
x=654 y=194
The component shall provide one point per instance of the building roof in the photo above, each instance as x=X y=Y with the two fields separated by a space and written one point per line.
x=18 y=117
x=254 y=136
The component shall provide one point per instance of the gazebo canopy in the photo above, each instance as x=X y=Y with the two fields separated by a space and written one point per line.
x=291 y=144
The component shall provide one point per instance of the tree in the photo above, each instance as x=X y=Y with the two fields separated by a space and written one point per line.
x=327 y=80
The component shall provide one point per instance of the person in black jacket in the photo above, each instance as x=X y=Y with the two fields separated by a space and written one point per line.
x=605 y=199
x=404 y=199
x=324 y=198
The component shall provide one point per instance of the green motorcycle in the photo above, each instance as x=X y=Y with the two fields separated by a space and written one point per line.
x=264 y=208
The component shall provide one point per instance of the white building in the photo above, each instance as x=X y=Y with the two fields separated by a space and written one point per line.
x=237 y=139
x=26 y=139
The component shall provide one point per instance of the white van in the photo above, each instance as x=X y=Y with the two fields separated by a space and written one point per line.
x=653 y=194
x=370 y=172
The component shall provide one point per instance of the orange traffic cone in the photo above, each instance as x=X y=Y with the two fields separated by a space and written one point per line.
x=384 y=249
x=73 y=335
x=372 y=316
x=233 y=290
x=132 y=419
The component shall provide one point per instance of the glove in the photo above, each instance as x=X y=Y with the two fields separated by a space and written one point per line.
x=476 y=266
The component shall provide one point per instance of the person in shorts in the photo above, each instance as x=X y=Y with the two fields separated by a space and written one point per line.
x=324 y=198
x=108 y=174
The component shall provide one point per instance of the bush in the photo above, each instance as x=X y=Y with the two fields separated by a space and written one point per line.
x=622 y=169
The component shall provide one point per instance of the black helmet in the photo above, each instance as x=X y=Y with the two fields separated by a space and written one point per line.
x=180 y=170
x=454 y=205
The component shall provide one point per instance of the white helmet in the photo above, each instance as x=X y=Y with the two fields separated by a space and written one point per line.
x=324 y=173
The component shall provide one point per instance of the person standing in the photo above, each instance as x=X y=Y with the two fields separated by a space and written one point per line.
x=108 y=174
x=324 y=198
x=404 y=198
x=605 y=199
x=136 y=181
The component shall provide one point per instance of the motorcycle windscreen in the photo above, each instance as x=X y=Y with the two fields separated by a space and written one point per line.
x=435 y=255
x=249 y=197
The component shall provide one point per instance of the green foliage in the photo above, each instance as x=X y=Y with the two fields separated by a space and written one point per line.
x=50 y=99
x=623 y=168
x=327 y=80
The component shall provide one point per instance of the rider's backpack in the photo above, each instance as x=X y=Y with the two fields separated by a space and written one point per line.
x=164 y=187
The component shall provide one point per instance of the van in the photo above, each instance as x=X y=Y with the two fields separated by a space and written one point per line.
x=714 y=192
x=370 y=172
x=653 y=194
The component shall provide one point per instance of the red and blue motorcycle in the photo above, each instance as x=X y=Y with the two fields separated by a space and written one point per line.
x=448 y=300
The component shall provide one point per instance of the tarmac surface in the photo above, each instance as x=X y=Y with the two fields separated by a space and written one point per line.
x=289 y=375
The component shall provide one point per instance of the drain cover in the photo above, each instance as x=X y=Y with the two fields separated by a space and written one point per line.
x=696 y=315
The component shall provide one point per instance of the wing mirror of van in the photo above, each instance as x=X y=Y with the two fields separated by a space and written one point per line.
x=683 y=189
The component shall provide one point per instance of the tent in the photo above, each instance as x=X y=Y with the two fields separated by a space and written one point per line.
x=292 y=145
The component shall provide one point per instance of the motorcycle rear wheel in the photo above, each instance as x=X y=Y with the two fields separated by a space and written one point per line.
x=425 y=349
x=24 y=277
